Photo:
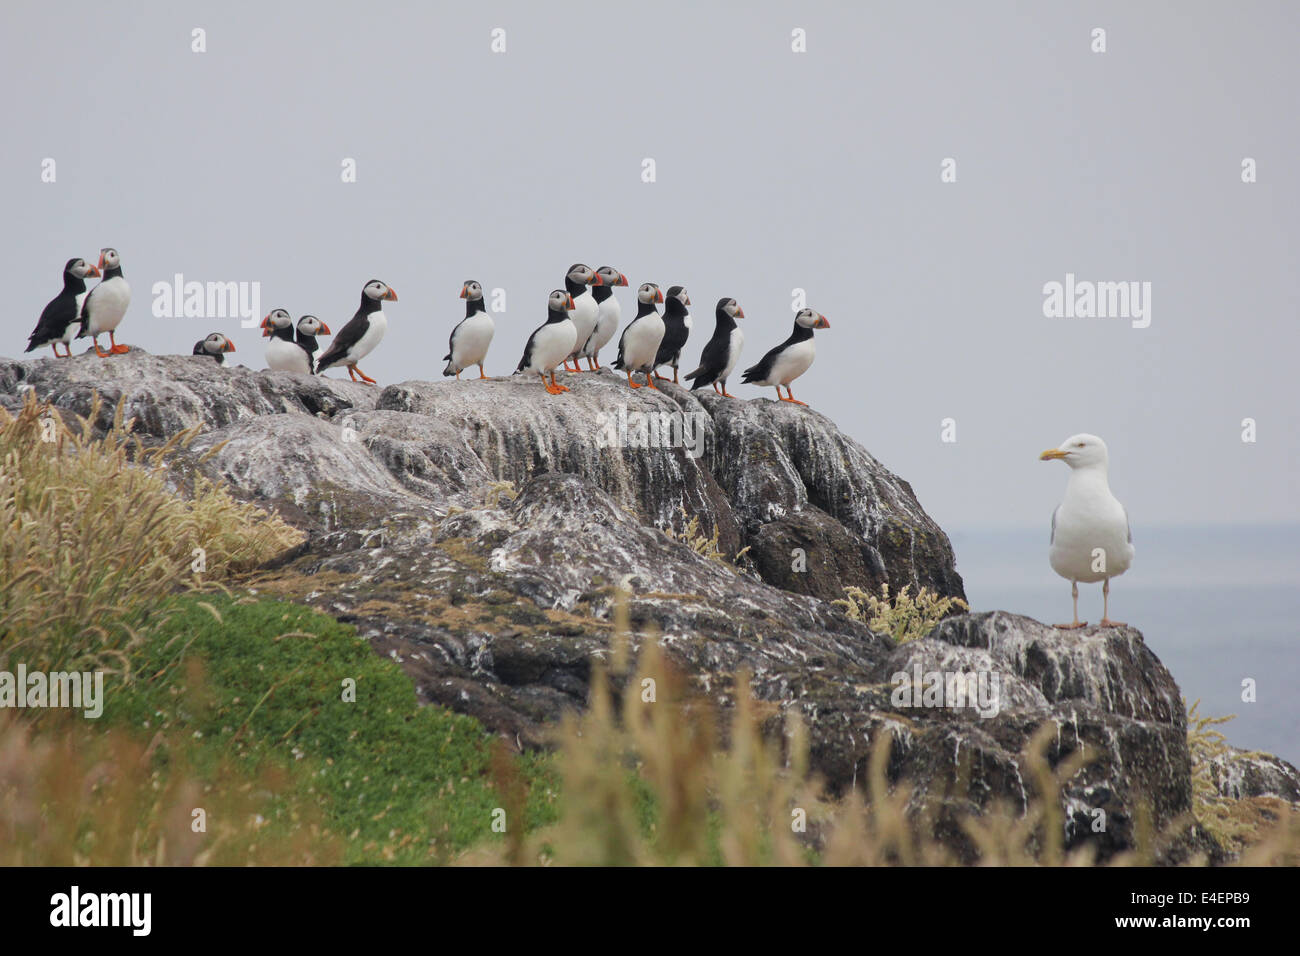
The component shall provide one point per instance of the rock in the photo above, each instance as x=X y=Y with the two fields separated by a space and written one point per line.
x=496 y=598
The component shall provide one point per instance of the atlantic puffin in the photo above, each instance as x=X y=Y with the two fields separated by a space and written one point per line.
x=791 y=358
x=282 y=352
x=61 y=314
x=608 y=315
x=550 y=343
x=469 y=341
x=585 y=307
x=362 y=333
x=104 y=306
x=215 y=346
x=639 y=343
x=723 y=350
x=308 y=327
x=677 y=329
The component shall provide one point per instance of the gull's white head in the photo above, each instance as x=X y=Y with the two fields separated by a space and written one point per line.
x=1079 y=451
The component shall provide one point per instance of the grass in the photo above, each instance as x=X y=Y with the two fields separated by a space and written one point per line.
x=94 y=539
x=904 y=618
x=697 y=541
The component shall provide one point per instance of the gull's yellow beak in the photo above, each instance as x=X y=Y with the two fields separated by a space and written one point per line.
x=1052 y=453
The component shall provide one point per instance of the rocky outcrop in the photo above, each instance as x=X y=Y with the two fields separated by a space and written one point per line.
x=481 y=533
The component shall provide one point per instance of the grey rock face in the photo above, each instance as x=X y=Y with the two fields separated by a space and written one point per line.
x=498 y=605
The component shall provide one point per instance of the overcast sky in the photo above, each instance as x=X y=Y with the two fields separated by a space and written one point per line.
x=775 y=170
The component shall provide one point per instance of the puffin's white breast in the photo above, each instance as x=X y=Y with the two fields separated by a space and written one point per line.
x=551 y=344
x=641 y=341
x=284 y=356
x=733 y=352
x=108 y=305
x=792 y=362
x=374 y=333
x=473 y=337
x=607 y=319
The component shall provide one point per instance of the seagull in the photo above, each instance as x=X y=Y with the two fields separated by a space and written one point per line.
x=1091 y=537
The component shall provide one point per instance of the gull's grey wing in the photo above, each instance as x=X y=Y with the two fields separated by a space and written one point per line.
x=1127 y=526
x=1053 y=538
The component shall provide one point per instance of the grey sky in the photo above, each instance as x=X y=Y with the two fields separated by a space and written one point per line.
x=775 y=170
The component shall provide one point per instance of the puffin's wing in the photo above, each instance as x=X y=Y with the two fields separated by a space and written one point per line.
x=764 y=367
x=451 y=339
x=55 y=317
x=712 y=358
x=618 y=362
x=349 y=336
x=199 y=349
x=528 y=351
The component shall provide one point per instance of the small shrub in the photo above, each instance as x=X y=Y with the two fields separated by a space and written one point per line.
x=905 y=618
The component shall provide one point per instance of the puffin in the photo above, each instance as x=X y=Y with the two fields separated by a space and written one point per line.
x=677 y=328
x=585 y=308
x=469 y=341
x=308 y=327
x=61 y=314
x=639 y=343
x=551 y=342
x=215 y=346
x=362 y=333
x=608 y=315
x=723 y=350
x=282 y=352
x=1091 y=537
x=104 y=306
x=791 y=358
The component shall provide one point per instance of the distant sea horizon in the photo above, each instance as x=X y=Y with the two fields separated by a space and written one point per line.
x=1217 y=604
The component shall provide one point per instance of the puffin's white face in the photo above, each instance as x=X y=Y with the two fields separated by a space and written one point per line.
x=278 y=318
x=109 y=259
x=584 y=274
x=681 y=296
x=310 y=325
x=811 y=319
x=648 y=293
x=375 y=289
x=733 y=309
x=471 y=290
x=1079 y=451
x=611 y=276
x=216 y=342
x=81 y=269
x=560 y=301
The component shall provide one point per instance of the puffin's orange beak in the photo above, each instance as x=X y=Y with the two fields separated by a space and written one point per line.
x=266 y=325
x=101 y=260
x=1052 y=453
x=659 y=295
x=622 y=279
x=597 y=280
x=92 y=272
x=391 y=294
x=571 y=305
x=822 y=323
x=325 y=329
x=740 y=313
x=464 y=292
x=229 y=346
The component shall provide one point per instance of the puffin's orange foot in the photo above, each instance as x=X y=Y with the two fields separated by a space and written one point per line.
x=364 y=377
x=793 y=401
x=1107 y=622
x=649 y=380
x=633 y=384
x=119 y=349
x=716 y=389
x=555 y=389
x=100 y=352
x=727 y=394
x=483 y=376
x=1071 y=627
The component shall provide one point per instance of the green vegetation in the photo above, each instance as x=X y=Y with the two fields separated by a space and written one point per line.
x=905 y=618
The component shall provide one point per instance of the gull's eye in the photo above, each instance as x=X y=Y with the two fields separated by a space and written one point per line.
x=1078 y=444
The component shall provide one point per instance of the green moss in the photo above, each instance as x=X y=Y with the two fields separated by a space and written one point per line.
x=402 y=783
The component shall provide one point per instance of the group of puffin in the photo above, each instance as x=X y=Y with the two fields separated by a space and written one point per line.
x=581 y=319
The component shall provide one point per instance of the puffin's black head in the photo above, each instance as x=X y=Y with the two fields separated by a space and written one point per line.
x=579 y=274
x=214 y=344
x=471 y=290
x=80 y=269
x=274 y=320
x=109 y=259
x=649 y=293
x=310 y=325
x=811 y=320
x=610 y=276
x=376 y=290
x=559 y=303
x=677 y=293
x=731 y=308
